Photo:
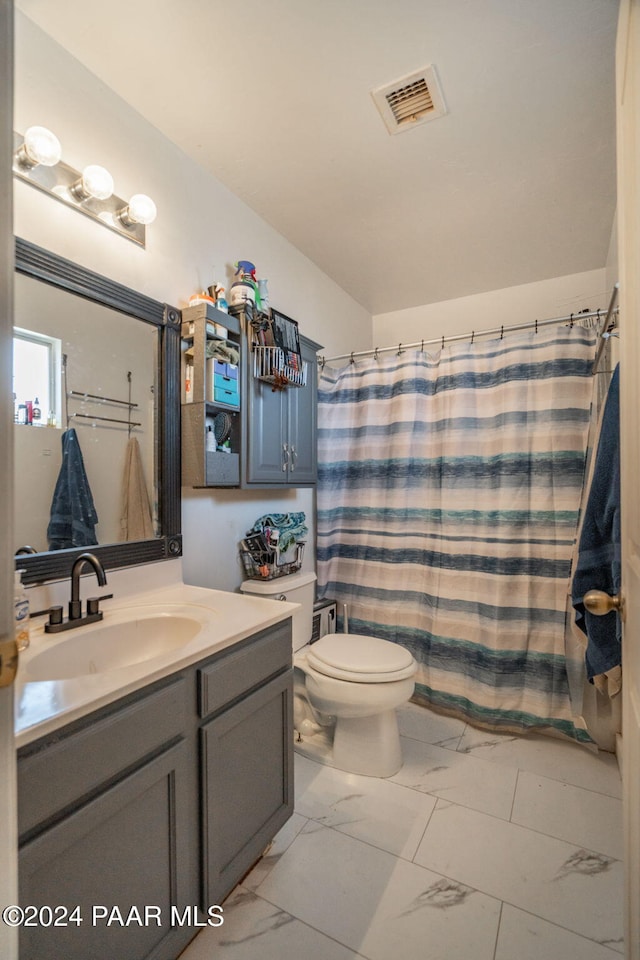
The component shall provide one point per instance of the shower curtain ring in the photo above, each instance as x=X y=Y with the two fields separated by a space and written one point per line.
x=399 y=349
x=352 y=360
x=571 y=322
x=322 y=362
x=473 y=333
x=536 y=325
x=442 y=344
x=502 y=332
x=375 y=354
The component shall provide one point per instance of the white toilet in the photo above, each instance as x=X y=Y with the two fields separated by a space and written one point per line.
x=346 y=687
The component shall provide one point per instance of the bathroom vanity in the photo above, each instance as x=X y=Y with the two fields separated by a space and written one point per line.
x=161 y=799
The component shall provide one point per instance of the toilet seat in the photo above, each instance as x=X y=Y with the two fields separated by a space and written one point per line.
x=360 y=659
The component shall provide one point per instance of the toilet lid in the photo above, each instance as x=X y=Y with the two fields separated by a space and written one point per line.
x=360 y=659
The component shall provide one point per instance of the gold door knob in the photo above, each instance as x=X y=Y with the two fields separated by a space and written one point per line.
x=600 y=603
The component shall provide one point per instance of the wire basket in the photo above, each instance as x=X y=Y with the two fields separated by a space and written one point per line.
x=273 y=567
x=270 y=364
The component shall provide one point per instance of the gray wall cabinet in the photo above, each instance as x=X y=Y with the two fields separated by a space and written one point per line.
x=163 y=799
x=281 y=434
x=272 y=433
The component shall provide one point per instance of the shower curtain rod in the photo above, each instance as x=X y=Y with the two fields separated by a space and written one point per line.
x=610 y=320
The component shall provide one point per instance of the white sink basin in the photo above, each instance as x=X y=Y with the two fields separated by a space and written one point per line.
x=110 y=646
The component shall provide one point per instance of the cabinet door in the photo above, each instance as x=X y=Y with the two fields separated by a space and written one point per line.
x=266 y=427
x=302 y=429
x=128 y=847
x=247 y=778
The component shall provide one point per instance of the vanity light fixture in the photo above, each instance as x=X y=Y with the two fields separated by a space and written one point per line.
x=40 y=147
x=37 y=161
x=140 y=209
x=95 y=182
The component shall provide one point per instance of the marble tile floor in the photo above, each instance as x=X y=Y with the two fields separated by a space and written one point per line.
x=482 y=847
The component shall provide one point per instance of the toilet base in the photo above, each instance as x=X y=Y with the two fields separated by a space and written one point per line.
x=318 y=747
x=368 y=745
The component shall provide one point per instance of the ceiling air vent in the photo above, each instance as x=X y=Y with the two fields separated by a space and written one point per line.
x=410 y=101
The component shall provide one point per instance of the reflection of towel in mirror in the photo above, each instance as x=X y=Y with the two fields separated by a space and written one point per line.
x=73 y=516
x=598 y=566
x=135 y=512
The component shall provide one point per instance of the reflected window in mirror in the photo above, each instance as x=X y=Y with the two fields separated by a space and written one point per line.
x=36 y=378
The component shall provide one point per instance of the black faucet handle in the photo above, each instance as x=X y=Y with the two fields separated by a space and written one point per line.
x=93 y=603
x=55 y=615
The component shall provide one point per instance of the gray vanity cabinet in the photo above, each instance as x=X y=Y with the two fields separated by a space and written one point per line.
x=162 y=800
x=246 y=756
x=127 y=847
x=106 y=817
x=281 y=429
x=247 y=805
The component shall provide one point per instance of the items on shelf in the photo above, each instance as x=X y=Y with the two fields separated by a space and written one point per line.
x=276 y=351
x=245 y=286
x=201 y=297
x=263 y=295
x=211 y=414
x=219 y=294
x=274 y=546
x=27 y=413
x=215 y=295
x=221 y=358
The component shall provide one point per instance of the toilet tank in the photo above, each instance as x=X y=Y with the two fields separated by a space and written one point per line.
x=296 y=588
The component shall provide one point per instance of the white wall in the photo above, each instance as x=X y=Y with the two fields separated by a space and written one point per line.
x=557 y=297
x=201 y=230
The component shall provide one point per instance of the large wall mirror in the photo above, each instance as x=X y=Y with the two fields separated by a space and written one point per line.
x=97 y=410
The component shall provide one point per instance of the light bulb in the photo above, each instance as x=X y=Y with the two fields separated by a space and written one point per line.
x=96 y=182
x=141 y=209
x=40 y=147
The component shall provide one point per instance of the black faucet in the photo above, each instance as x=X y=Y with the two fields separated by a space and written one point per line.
x=76 y=619
x=75 y=605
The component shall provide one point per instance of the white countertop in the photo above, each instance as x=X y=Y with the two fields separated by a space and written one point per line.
x=225 y=618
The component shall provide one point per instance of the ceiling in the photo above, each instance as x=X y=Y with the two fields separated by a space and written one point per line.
x=516 y=183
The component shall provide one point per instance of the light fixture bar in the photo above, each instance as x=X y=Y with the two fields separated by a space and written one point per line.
x=60 y=182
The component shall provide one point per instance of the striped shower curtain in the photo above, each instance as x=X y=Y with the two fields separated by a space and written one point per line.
x=448 y=498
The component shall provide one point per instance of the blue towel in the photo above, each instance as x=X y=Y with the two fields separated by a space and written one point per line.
x=598 y=565
x=73 y=516
x=291 y=526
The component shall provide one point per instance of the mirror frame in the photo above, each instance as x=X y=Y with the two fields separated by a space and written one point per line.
x=41 y=264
